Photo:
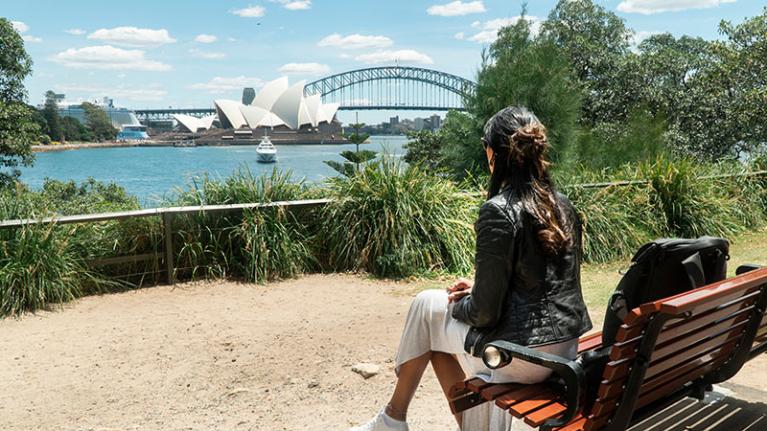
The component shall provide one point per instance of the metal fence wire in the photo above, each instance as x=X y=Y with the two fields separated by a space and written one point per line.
x=161 y=259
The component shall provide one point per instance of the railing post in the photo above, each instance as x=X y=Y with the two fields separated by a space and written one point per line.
x=167 y=224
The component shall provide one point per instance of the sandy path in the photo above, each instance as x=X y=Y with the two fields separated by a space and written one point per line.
x=217 y=355
x=210 y=356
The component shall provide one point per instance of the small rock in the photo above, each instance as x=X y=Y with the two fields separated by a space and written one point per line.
x=313 y=384
x=366 y=370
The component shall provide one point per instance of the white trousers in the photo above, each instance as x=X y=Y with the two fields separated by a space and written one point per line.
x=430 y=326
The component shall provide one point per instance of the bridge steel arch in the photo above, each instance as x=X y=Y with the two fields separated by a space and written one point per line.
x=434 y=85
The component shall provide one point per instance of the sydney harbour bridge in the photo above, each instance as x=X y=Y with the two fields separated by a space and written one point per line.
x=374 y=88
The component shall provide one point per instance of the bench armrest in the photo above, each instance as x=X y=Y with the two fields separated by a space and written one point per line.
x=498 y=354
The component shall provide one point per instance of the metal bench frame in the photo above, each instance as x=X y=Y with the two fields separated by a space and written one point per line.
x=571 y=385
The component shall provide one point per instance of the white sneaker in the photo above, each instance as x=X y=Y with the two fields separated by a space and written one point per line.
x=382 y=422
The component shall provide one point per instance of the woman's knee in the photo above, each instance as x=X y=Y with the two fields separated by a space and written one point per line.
x=432 y=298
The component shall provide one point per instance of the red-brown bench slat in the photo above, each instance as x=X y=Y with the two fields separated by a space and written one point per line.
x=538 y=417
x=492 y=392
x=533 y=403
x=715 y=293
x=576 y=424
x=509 y=399
x=619 y=369
x=681 y=334
x=698 y=336
x=476 y=384
x=595 y=424
x=590 y=342
x=615 y=388
x=702 y=319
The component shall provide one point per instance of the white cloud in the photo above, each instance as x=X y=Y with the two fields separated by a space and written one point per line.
x=250 y=12
x=132 y=36
x=648 y=7
x=344 y=55
x=294 y=4
x=221 y=84
x=207 y=55
x=355 y=41
x=205 y=38
x=460 y=35
x=305 y=69
x=231 y=39
x=108 y=57
x=401 y=56
x=457 y=8
x=20 y=27
x=489 y=29
x=75 y=31
x=91 y=92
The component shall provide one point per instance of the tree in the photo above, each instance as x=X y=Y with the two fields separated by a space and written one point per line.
x=521 y=69
x=596 y=42
x=424 y=147
x=17 y=126
x=98 y=122
x=73 y=130
x=52 y=118
x=353 y=158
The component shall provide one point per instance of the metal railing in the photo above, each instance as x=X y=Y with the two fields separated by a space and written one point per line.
x=167 y=215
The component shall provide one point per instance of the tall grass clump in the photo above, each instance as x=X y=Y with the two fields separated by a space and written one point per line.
x=692 y=204
x=397 y=221
x=260 y=244
x=38 y=266
x=617 y=220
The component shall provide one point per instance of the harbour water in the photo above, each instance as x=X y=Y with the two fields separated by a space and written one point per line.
x=152 y=173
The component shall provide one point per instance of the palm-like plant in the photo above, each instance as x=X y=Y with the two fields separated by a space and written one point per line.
x=354 y=159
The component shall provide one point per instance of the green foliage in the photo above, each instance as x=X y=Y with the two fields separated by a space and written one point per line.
x=455 y=147
x=44 y=264
x=98 y=122
x=394 y=221
x=609 y=145
x=354 y=159
x=18 y=128
x=424 y=148
x=51 y=115
x=524 y=70
x=595 y=40
x=260 y=244
x=73 y=130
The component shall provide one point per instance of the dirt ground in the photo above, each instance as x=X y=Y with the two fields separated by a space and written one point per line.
x=219 y=355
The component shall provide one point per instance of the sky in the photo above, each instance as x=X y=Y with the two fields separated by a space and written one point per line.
x=155 y=53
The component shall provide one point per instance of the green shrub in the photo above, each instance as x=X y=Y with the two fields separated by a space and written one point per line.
x=395 y=221
x=260 y=244
x=38 y=268
x=693 y=205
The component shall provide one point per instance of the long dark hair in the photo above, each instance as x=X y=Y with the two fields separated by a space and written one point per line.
x=520 y=161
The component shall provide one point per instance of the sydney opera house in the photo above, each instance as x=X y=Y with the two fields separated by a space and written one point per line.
x=279 y=109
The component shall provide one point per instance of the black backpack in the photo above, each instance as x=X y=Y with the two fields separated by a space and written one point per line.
x=663 y=268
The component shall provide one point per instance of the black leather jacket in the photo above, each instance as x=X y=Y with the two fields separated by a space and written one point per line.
x=520 y=294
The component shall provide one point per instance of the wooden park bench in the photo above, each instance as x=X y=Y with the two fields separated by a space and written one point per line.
x=665 y=350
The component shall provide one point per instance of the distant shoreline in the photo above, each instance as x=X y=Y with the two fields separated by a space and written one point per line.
x=152 y=143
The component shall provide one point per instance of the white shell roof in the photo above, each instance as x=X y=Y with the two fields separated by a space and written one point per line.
x=270 y=92
x=231 y=110
x=288 y=105
x=327 y=112
x=194 y=124
x=278 y=104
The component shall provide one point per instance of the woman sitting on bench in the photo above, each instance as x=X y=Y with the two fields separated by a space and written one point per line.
x=526 y=288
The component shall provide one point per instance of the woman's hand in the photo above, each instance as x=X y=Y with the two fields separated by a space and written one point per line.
x=459 y=289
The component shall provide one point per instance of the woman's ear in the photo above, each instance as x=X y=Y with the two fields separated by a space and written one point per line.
x=490 y=158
